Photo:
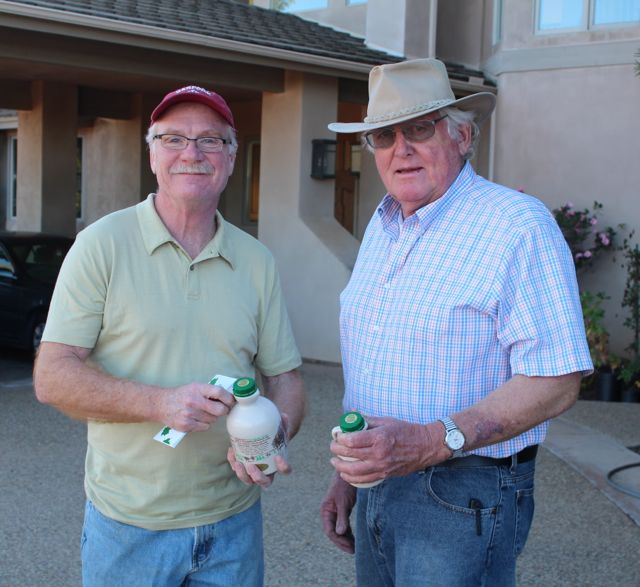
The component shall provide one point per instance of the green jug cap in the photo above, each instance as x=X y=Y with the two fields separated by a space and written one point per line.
x=244 y=387
x=351 y=422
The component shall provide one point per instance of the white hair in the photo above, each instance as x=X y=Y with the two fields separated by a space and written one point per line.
x=456 y=119
x=230 y=132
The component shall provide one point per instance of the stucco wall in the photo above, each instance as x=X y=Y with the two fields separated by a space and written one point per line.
x=572 y=135
x=112 y=163
x=314 y=253
x=46 y=160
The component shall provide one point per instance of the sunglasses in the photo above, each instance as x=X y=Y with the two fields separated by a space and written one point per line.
x=414 y=132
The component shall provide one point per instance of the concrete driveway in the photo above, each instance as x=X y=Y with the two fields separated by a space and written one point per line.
x=580 y=535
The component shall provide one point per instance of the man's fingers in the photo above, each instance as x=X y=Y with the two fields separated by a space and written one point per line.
x=249 y=473
x=337 y=531
x=220 y=394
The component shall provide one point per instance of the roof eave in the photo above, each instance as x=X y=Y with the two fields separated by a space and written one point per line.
x=108 y=30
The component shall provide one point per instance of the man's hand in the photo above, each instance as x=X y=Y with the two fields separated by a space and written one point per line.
x=251 y=474
x=335 y=511
x=195 y=406
x=389 y=448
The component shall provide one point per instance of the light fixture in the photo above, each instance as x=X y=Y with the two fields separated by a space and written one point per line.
x=323 y=158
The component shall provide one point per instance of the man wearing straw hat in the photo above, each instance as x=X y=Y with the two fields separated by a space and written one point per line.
x=461 y=334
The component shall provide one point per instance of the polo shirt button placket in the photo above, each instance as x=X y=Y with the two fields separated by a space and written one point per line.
x=193 y=286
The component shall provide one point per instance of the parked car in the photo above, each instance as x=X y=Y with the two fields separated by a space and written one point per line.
x=29 y=266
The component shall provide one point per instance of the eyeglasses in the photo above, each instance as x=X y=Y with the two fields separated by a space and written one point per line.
x=415 y=132
x=179 y=143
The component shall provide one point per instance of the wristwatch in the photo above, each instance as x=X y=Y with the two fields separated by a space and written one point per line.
x=453 y=438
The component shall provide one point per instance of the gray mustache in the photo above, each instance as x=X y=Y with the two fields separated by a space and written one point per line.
x=195 y=168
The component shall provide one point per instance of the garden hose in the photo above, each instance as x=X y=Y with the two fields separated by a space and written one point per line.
x=618 y=486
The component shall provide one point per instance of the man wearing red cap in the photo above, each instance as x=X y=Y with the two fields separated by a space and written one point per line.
x=152 y=301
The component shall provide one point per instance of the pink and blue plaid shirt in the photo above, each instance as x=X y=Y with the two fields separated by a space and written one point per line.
x=447 y=305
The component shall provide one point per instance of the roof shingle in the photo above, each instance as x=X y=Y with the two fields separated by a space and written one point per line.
x=227 y=19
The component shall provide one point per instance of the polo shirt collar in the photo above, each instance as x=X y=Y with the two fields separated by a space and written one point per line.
x=155 y=233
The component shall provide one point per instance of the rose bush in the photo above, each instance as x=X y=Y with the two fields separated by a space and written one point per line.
x=585 y=239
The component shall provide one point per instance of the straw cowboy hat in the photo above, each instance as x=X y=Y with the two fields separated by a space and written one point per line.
x=406 y=90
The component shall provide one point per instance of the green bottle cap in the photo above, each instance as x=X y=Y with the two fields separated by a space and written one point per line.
x=244 y=387
x=351 y=422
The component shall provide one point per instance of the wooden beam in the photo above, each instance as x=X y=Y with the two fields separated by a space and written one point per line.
x=15 y=94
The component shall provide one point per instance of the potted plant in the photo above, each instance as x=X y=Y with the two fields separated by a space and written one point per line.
x=630 y=370
x=587 y=242
x=604 y=381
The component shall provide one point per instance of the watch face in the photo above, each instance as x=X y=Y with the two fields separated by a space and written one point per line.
x=455 y=439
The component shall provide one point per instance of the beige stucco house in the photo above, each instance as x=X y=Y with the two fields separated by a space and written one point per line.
x=78 y=81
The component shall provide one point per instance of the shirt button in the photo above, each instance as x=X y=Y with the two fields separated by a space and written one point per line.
x=192 y=267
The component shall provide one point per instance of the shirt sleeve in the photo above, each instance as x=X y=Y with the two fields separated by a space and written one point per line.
x=77 y=305
x=540 y=318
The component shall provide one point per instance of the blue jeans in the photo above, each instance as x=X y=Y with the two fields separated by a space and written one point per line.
x=449 y=525
x=226 y=553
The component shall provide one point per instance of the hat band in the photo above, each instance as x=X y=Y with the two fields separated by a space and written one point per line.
x=398 y=113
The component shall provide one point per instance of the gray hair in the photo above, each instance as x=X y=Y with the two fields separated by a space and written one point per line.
x=231 y=136
x=456 y=119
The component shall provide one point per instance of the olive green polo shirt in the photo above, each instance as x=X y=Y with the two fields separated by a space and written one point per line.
x=150 y=313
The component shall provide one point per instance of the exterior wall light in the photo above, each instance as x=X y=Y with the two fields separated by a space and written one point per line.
x=323 y=158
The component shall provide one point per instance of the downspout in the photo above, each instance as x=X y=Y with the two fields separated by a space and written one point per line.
x=492 y=142
x=433 y=27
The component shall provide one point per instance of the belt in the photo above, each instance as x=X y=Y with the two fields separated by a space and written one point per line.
x=524 y=456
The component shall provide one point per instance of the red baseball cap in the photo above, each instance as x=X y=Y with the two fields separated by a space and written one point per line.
x=194 y=94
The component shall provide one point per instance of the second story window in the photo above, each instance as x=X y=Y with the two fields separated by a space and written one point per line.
x=497 y=21
x=615 y=11
x=299 y=5
x=580 y=15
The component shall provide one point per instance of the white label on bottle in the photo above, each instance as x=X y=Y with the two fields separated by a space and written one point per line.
x=261 y=450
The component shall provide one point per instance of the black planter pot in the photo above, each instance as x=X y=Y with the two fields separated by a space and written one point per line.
x=607 y=387
x=630 y=394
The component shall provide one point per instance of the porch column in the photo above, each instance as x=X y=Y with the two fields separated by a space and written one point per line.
x=315 y=254
x=46 y=166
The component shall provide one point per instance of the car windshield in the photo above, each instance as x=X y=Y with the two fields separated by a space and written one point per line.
x=41 y=261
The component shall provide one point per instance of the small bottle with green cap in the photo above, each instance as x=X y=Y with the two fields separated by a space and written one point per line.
x=352 y=422
x=255 y=427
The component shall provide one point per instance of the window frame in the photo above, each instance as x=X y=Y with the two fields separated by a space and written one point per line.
x=587 y=21
x=12 y=176
x=496 y=34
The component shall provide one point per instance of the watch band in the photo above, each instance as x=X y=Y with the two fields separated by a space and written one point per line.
x=453 y=438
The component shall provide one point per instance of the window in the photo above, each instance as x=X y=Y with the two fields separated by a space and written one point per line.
x=556 y=15
x=299 y=5
x=6 y=266
x=615 y=11
x=497 y=21
x=12 y=177
x=576 y=15
x=352 y=2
